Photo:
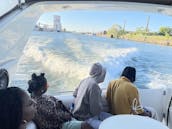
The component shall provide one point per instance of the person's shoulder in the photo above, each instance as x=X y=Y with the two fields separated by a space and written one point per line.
x=132 y=87
x=40 y=99
x=44 y=96
x=46 y=104
x=85 y=82
x=126 y=82
x=47 y=99
x=52 y=97
x=112 y=82
x=93 y=86
x=92 y=83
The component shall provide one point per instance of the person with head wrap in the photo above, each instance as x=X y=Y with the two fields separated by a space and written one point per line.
x=88 y=100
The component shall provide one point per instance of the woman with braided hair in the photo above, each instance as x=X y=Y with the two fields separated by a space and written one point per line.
x=51 y=112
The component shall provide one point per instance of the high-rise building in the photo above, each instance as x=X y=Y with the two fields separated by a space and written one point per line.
x=57 y=23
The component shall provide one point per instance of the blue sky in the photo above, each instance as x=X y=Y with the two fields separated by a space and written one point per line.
x=94 y=21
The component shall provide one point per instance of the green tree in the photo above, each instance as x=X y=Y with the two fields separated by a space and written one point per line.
x=115 y=31
x=140 y=30
x=166 y=31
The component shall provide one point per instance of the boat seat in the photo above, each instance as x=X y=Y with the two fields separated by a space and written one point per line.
x=69 y=99
x=155 y=98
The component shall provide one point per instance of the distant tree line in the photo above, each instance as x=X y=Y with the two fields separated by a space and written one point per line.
x=116 y=31
x=166 y=31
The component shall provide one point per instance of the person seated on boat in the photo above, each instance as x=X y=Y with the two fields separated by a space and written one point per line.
x=4 y=78
x=51 y=112
x=16 y=108
x=123 y=97
x=88 y=100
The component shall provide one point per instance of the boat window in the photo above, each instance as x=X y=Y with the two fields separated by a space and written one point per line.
x=65 y=43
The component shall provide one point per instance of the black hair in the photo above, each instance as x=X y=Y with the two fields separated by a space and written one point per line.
x=4 y=75
x=11 y=108
x=130 y=73
x=36 y=82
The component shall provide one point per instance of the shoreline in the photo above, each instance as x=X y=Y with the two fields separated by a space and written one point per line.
x=159 y=40
x=152 y=39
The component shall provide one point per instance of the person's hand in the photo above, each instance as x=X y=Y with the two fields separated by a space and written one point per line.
x=147 y=112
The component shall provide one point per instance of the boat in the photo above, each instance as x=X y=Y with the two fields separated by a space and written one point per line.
x=15 y=30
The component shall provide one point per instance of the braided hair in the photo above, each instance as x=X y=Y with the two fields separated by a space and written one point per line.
x=37 y=82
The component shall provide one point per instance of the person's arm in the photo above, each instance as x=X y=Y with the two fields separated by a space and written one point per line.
x=47 y=109
x=61 y=110
x=146 y=113
x=76 y=90
x=95 y=100
x=108 y=94
x=134 y=100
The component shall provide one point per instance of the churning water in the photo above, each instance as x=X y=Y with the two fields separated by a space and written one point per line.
x=67 y=57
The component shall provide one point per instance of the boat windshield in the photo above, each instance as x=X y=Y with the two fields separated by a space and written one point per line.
x=63 y=40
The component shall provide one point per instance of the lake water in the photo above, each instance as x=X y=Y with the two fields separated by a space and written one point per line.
x=67 y=57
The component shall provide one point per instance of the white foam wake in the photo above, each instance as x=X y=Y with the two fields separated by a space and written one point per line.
x=159 y=80
x=66 y=59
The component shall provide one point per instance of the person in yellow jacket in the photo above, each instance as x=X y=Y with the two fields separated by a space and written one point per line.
x=123 y=97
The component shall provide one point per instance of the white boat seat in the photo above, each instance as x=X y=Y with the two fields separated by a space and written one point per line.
x=131 y=122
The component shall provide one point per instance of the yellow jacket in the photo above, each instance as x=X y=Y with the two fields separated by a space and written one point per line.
x=120 y=96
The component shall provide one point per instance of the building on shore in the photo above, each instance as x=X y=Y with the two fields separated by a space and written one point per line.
x=55 y=26
x=57 y=23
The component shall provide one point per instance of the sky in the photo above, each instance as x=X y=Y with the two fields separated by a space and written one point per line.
x=95 y=21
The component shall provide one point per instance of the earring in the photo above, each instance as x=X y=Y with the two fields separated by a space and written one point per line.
x=24 y=121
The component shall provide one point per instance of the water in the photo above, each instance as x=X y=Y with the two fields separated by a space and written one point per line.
x=66 y=59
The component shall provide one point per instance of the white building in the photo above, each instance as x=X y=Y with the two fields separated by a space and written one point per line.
x=57 y=23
